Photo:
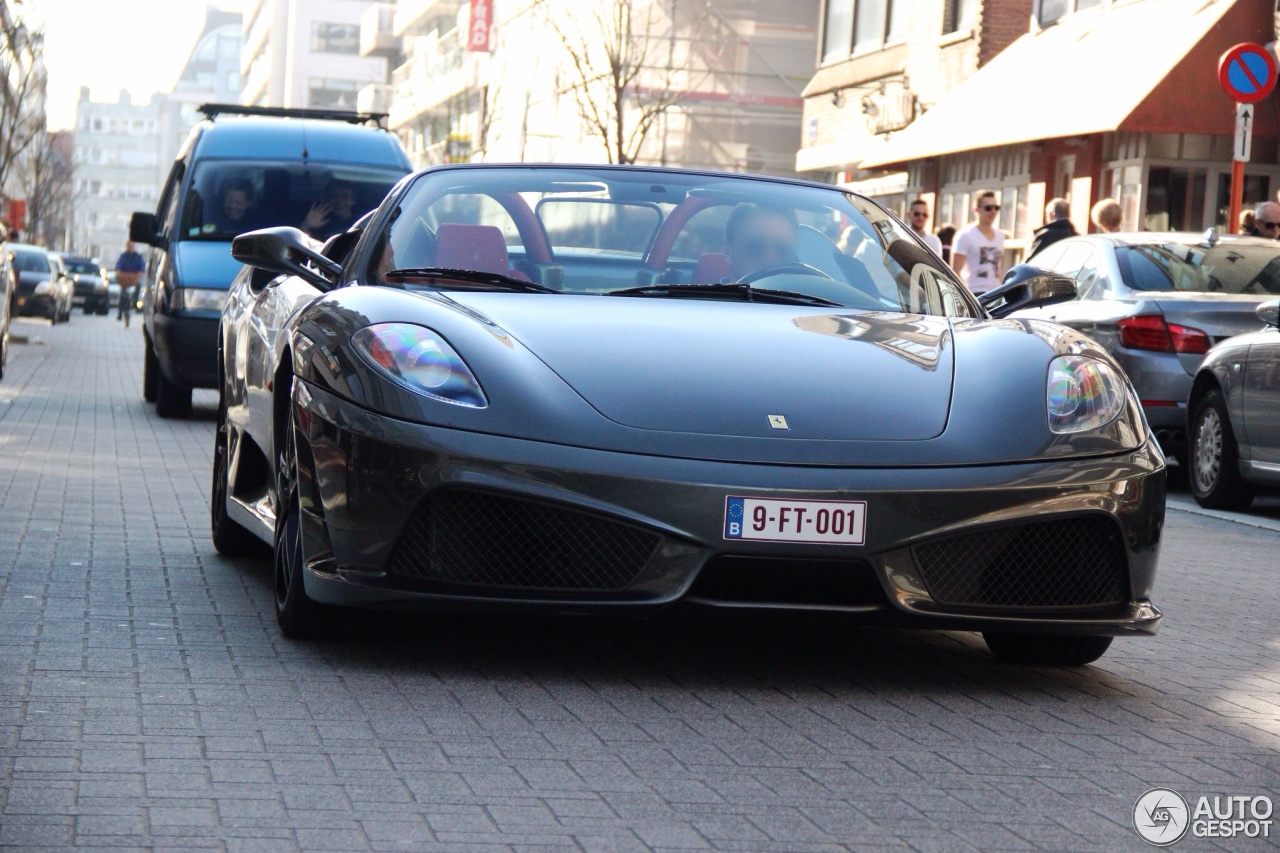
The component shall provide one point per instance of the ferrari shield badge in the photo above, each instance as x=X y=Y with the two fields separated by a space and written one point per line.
x=778 y=422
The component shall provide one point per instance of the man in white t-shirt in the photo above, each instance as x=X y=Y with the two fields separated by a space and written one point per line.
x=978 y=250
x=918 y=219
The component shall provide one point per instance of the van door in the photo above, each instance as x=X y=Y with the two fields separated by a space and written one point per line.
x=167 y=221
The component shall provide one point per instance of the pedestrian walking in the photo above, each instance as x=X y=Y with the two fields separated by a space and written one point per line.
x=129 y=269
x=1107 y=215
x=978 y=251
x=1056 y=227
x=946 y=236
x=1246 y=223
x=918 y=219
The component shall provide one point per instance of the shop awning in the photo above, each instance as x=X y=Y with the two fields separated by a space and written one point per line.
x=1092 y=73
x=839 y=156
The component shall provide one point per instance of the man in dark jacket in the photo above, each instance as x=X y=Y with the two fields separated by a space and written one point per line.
x=1058 y=227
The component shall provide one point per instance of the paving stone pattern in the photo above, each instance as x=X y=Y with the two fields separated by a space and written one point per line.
x=147 y=699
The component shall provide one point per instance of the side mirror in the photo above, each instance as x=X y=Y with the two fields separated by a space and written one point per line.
x=143 y=229
x=1269 y=312
x=286 y=251
x=1026 y=286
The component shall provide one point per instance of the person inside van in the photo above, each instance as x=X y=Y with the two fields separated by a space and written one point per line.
x=333 y=215
x=233 y=215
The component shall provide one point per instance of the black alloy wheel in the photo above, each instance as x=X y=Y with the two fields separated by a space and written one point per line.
x=1215 y=457
x=150 y=370
x=1045 y=649
x=299 y=617
x=230 y=538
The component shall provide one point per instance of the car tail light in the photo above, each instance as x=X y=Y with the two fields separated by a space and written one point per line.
x=1151 y=332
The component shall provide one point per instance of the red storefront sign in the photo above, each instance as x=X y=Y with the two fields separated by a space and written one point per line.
x=480 y=26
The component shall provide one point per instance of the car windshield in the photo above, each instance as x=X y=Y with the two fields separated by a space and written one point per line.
x=30 y=261
x=1223 y=268
x=75 y=265
x=226 y=199
x=660 y=233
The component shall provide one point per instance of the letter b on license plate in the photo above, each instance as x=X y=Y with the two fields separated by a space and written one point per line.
x=768 y=520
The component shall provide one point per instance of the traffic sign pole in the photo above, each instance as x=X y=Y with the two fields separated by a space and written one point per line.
x=1247 y=73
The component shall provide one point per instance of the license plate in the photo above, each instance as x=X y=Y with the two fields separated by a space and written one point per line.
x=769 y=520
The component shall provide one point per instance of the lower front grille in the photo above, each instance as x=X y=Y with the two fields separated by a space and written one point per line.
x=481 y=539
x=1071 y=562
x=771 y=580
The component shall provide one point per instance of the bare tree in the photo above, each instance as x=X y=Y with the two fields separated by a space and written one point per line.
x=22 y=76
x=624 y=68
x=47 y=178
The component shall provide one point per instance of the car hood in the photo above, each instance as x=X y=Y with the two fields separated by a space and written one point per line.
x=29 y=279
x=204 y=264
x=716 y=368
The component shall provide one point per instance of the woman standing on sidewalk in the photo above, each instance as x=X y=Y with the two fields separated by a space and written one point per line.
x=129 y=269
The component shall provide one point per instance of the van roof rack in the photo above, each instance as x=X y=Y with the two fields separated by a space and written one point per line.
x=212 y=111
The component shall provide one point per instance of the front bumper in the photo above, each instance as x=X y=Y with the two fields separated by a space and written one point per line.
x=37 y=305
x=365 y=476
x=186 y=348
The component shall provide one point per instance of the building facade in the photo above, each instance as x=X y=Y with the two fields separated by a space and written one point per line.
x=883 y=63
x=117 y=154
x=305 y=53
x=1097 y=99
x=733 y=71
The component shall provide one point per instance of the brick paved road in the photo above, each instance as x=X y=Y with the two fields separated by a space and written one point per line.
x=146 y=698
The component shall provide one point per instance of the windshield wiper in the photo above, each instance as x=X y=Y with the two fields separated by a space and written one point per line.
x=494 y=278
x=741 y=290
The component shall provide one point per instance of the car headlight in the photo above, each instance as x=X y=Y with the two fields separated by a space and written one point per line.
x=199 y=299
x=421 y=360
x=1083 y=394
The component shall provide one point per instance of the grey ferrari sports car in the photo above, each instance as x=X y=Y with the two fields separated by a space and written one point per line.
x=625 y=388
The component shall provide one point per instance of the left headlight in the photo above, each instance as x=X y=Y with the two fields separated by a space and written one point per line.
x=1083 y=394
x=421 y=360
x=200 y=298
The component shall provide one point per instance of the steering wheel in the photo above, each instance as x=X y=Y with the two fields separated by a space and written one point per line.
x=791 y=268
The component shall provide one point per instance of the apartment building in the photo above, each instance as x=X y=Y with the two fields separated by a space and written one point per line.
x=737 y=67
x=305 y=53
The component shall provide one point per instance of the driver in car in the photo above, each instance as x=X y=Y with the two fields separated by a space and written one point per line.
x=759 y=236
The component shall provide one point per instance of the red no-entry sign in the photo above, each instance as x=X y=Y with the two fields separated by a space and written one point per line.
x=1247 y=73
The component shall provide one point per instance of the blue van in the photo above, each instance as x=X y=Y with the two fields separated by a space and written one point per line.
x=241 y=169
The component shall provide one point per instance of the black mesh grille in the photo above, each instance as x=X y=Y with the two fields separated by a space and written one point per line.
x=1073 y=562
x=482 y=539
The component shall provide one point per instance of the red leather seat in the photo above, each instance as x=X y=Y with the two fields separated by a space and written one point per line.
x=472 y=247
x=712 y=267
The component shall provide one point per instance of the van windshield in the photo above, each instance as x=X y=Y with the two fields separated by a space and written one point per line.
x=226 y=199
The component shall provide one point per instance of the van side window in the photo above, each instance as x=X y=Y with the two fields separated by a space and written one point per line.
x=167 y=210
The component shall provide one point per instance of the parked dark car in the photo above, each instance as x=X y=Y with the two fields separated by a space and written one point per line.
x=1158 y=302
x=551 y=387
x=244 y=168
x=44 y=288
x=90 y=283
x=1234 y=423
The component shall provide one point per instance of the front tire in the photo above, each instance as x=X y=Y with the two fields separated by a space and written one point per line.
x=1215 y=457
x=299 y=616
x=1045 y=649
x=172 y=400
x=230 y=538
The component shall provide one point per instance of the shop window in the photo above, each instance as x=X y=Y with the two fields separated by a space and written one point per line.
x=1175 y=199
x=1255 y=193
x=1052 y=11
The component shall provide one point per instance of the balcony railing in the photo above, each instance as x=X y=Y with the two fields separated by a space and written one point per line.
x=377 y=31
x=413 y=15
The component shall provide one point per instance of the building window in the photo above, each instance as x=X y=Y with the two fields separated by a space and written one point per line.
x=325 y=92
x=1052 y=11
x=335 y=38
x=859 y=25
x=961 y=14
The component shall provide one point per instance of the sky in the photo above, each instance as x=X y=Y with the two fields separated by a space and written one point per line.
x=109 y=45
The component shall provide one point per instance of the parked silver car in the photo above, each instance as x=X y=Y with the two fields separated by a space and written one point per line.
x=1235 y=417
x=1158 y=302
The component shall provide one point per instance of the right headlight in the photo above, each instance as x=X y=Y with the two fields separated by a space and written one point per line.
x=421 y=360
x=1083 y=394
x=199 y=298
